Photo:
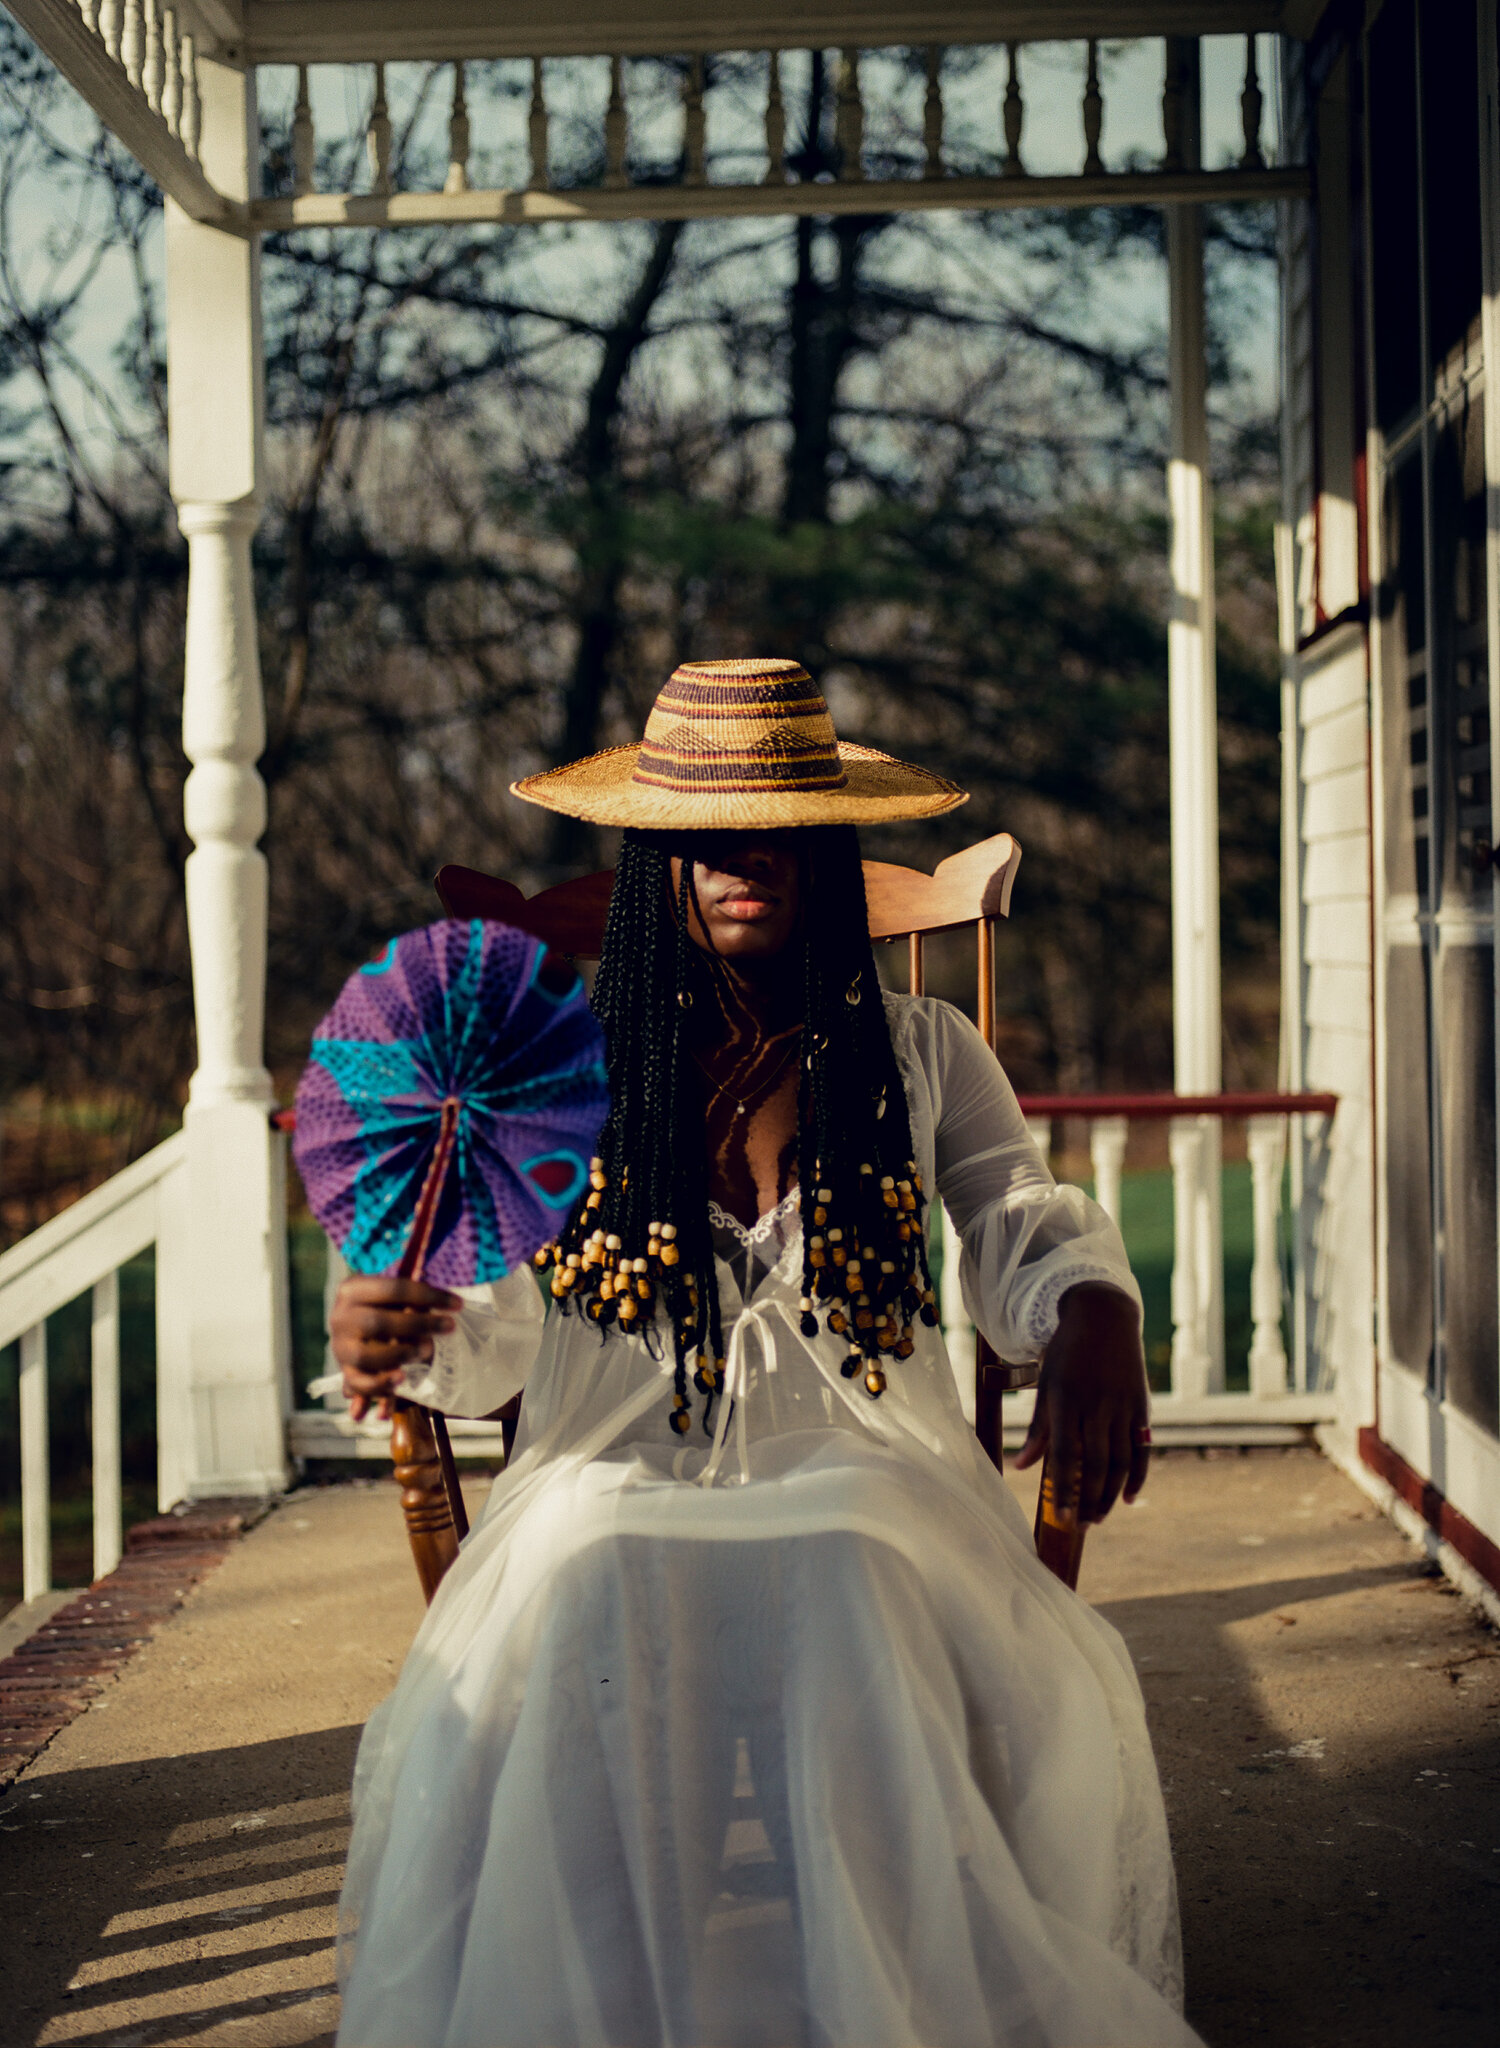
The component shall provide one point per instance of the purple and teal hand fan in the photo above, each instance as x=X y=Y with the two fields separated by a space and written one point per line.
x=449 y=1078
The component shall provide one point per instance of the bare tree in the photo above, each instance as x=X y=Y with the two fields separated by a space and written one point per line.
x=515 y=475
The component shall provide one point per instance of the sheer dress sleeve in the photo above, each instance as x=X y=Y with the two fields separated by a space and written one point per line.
x=487 y=1356
x=1026 y=1240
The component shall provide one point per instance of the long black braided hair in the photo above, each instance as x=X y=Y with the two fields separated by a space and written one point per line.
x=639 y=1247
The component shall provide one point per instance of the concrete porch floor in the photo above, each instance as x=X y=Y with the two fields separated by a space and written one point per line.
x=1326 y=1716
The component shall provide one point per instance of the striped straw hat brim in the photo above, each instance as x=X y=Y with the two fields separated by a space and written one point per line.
x=740 y=744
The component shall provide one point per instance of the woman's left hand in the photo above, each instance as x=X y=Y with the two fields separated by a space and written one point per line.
x=1092 y=1405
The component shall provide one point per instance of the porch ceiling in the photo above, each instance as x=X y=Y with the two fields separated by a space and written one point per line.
x=343 y=31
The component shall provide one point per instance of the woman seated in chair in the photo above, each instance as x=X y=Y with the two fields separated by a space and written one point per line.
x=747 y=1714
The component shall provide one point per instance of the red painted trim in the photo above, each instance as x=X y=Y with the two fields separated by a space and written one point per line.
x=1357 y=614
x=1439 y=1513
x=1243 y=1104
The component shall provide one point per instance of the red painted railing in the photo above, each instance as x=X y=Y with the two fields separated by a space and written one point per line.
x=1245 y=1103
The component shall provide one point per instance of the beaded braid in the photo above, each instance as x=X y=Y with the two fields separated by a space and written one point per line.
x=864 y=1242
x=640 y=1243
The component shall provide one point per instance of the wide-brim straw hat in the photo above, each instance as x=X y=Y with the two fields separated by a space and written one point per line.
x=734 y=744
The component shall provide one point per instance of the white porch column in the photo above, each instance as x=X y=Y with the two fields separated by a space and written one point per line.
x=1197 y=1361
x=224 y=1413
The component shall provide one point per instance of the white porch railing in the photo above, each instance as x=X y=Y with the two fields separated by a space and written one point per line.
x=136 y=63
x=1284 y=1395
x=82 y=1250
x=1284 y=1398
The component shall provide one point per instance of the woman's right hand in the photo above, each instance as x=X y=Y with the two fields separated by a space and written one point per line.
x=378 y=1326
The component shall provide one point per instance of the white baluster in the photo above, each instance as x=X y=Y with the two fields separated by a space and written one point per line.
x=89 y=9
x=378 y=137
x=133 y=41
x=1265 y=1141
x=776 y=171
x=616 y=129
x=36 y=1479
x=1108 y=1136
x=694 y=125
x=1093 y=115
x=1193 y=1363
x=932 y=113
x=1252 y=103
x=192 y=105
x=849 y=120
x=457 y=179
x=1014 y=114
x=109 y=1521
x=1039 y=1130
x=152 y=68
x=335 y=1272
x=223 y=723
x=111 y=14
x=304 y=139
x=171 y=84
x=537 y=128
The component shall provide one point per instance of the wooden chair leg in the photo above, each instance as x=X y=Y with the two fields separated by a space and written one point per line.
x=424 y=1498
x=990 y=1381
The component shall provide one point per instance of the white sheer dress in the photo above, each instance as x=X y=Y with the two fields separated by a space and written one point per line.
x=781 y=1739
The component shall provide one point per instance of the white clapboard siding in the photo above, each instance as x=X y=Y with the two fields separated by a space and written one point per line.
x=1338 y=741
x=1336 y=933
x=1340 y=1059
x=1334 y=804
x=1325 y=689
x=1336 y=870
x=1333 y=703
x=1335 y=993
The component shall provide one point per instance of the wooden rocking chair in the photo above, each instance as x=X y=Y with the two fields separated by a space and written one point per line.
x=969 y=888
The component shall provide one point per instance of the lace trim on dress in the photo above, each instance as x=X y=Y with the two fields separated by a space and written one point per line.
x=766 y=1226
x=1041 y=1315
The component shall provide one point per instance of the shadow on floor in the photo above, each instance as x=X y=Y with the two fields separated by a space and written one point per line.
x=1330 y=1753
x=163 y=1900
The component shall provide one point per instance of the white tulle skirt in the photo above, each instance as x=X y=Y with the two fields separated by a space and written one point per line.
x=824 y=1757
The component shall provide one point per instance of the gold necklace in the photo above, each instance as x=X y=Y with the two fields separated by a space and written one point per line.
x=724 y=1087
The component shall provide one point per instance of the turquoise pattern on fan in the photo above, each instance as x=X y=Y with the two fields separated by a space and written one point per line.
x=455 y=1010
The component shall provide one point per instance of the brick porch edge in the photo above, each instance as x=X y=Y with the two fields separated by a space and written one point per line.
x=49 y=1680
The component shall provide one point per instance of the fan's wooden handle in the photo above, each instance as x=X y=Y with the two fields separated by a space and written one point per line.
x=427 y=1436
x=424 y=1496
